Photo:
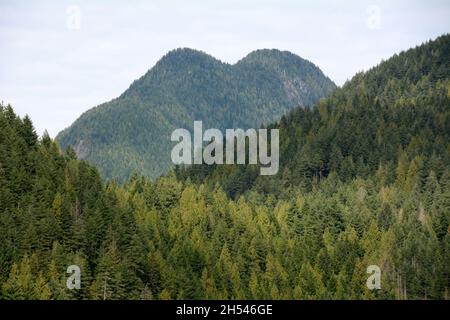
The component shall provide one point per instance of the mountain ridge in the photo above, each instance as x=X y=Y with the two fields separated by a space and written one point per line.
x=402 y=96
x=366 y=186
x=124 y=135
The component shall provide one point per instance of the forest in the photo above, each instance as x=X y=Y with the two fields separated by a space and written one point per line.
x=364 y=180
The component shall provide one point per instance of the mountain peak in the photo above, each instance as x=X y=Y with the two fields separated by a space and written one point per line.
x=187 y=85
x=188 y=55
x=185 y=51
x=265 y=56
x=285 y=63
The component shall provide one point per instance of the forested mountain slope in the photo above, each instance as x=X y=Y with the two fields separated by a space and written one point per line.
x=392 y=118
x=132 y=132
x=365 y=181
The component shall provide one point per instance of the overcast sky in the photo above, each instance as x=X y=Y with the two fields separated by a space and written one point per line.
x=59 y=59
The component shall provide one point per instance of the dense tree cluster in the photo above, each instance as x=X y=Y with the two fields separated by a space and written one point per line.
x=386 y=119
x=365 y=180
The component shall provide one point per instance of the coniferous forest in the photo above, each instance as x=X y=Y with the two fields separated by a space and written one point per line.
x=364 y=180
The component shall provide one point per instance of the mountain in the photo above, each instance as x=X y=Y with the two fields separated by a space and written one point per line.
x=395 y=113
x=364 y=187
x=132 y=132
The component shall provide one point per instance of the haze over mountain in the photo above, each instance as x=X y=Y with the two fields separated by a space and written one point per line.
x=132 y=132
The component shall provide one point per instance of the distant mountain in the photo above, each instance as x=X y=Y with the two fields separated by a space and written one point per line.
x=132 y=132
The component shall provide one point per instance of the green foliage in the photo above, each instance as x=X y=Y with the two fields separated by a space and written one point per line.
x=365 y=180
x=132 y=132
x=367 y=125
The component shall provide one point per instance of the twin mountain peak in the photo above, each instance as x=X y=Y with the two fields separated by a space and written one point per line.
x=132 y=132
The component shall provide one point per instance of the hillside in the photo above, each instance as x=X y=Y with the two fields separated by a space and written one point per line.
x=132 y=132
x=365 y=181
x=396 y=111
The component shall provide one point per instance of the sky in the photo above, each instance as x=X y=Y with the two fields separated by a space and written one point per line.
x=61 y=58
